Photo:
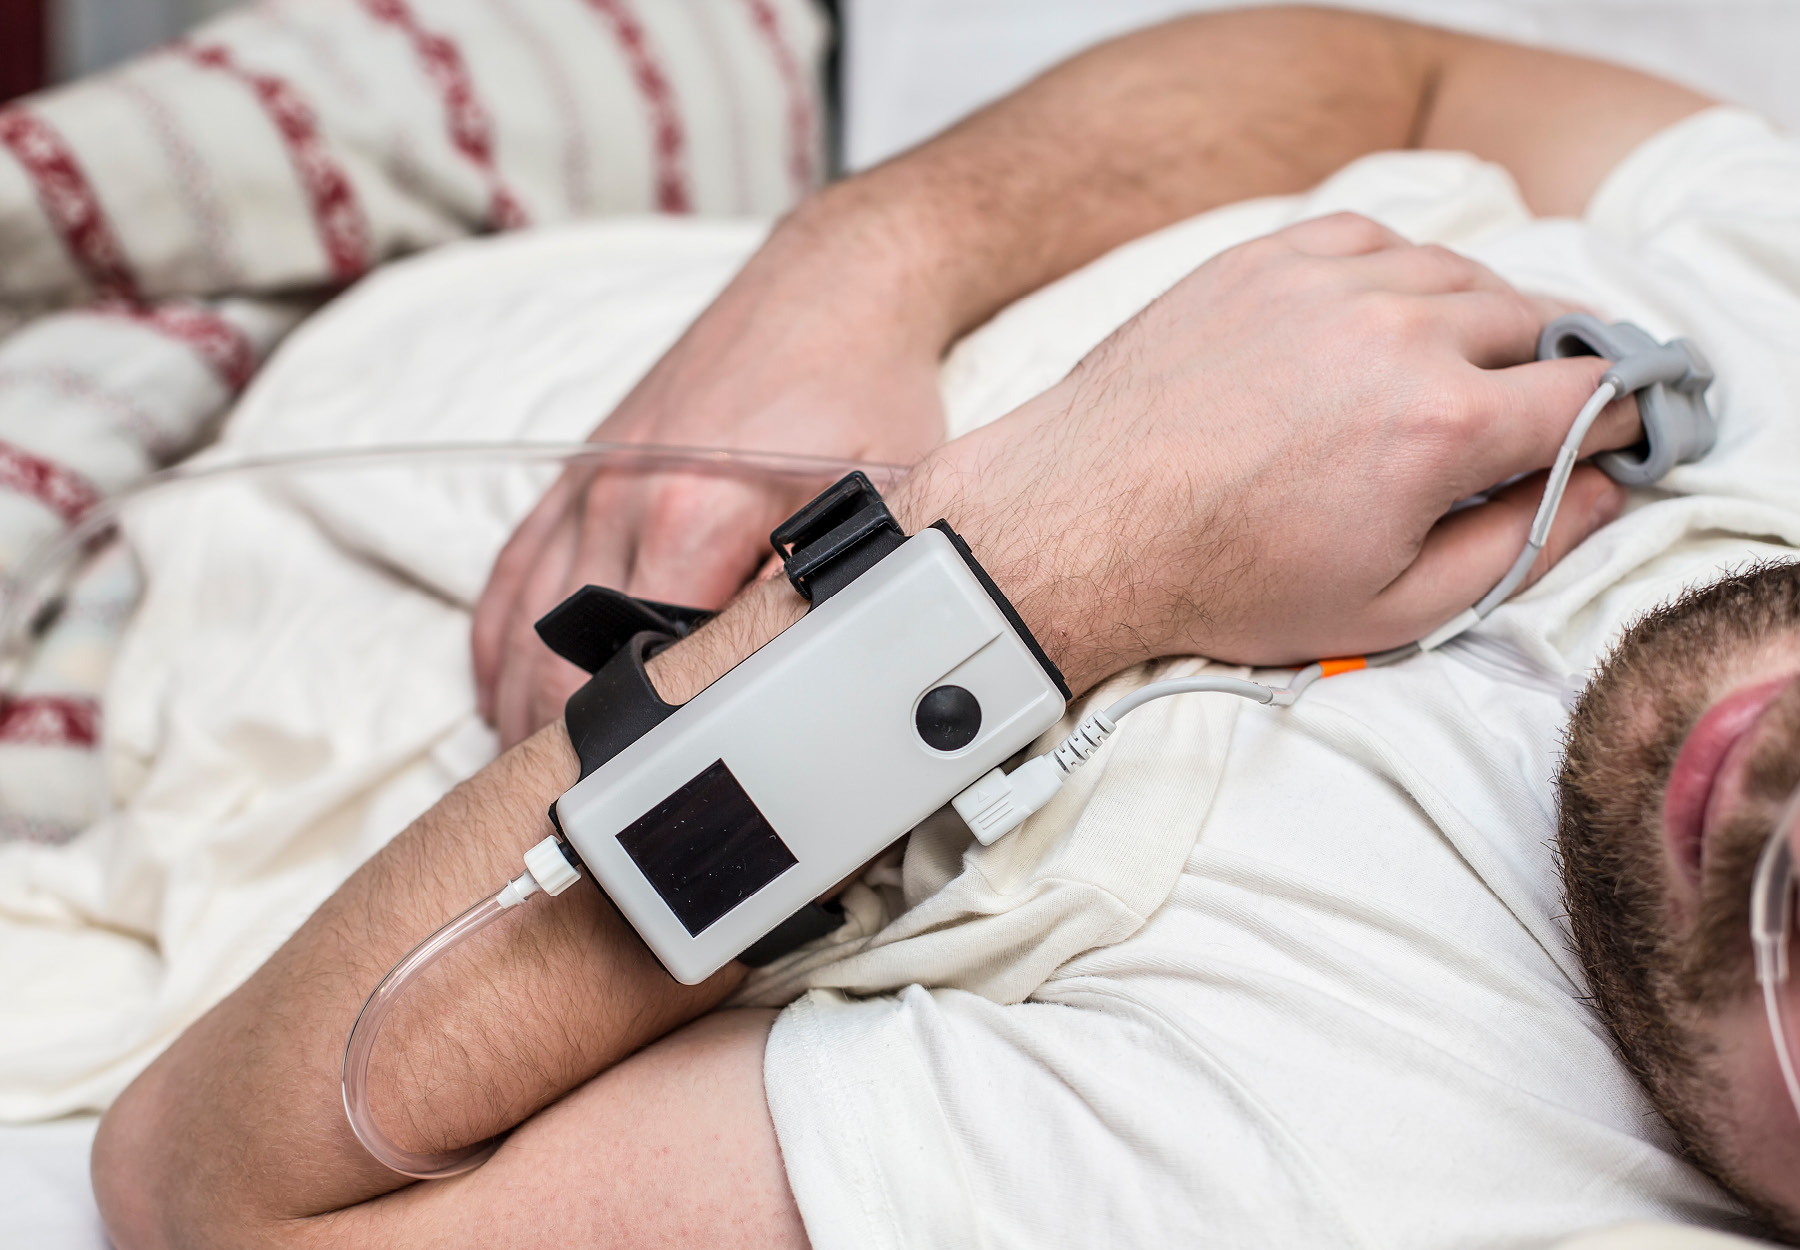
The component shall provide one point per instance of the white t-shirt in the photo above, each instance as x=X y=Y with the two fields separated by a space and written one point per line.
x=1356 y=1020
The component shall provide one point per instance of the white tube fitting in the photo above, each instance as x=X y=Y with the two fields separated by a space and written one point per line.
x=551 y=867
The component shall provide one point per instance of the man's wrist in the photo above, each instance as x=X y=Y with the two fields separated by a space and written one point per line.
x=1033 y=507
x=958 y=484
x=761 y=612
x=941 y=487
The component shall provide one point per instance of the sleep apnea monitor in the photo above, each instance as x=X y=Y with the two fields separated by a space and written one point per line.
x=909 y=678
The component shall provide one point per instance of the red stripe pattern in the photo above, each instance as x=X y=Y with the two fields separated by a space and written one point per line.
x=69 y=202
x=669 y=140
x=343 y=231
x=471 y=128
x=50 y=720
x=61 y=490
x=224 y=348
x=800 y=106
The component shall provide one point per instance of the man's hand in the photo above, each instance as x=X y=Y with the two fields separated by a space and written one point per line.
x=804 y=352
x=1258 y=467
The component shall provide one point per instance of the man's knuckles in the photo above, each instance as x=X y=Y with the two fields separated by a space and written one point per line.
x=1335 y=234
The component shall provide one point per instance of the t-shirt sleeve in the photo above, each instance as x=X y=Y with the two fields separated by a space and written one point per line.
x=939 y=1118
x=1700 y=227
x=1725 y=174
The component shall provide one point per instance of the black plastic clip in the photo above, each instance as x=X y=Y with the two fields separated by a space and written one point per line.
x=611 y=635
x=836 y=538
x=588 y=628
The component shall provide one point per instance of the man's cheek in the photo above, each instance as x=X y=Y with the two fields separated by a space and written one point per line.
x=1743 y=1103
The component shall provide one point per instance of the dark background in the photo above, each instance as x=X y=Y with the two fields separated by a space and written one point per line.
x=24 y=47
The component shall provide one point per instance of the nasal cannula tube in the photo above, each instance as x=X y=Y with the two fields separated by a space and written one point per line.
x=22 y=598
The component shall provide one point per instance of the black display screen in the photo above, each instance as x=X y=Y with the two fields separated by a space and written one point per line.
x=706 y=848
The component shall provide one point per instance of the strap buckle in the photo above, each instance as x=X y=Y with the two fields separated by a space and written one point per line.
x=588 y=628
x=836 y=538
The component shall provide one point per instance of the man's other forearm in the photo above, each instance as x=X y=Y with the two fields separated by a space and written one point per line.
x=1129 y=137
x=238 y=1132
x=1207 y=110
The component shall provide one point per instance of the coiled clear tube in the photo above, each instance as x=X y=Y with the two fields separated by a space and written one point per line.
x=361 y=1048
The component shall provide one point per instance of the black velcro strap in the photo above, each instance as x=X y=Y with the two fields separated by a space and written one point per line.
x=589 y=626
x=618 y=705
x=812 y=921
x=836 y=538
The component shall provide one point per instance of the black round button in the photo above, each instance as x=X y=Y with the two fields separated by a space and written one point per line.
x=948 y=718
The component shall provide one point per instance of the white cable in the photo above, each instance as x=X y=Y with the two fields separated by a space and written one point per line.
x=1001 y=801
x=1190 y=685
x=1547 y=510
x=547 y=871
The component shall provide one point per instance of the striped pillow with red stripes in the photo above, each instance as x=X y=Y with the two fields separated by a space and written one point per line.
x=296 y=143
x=183 y=199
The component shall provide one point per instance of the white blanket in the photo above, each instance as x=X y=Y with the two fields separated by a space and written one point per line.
x=295 y=686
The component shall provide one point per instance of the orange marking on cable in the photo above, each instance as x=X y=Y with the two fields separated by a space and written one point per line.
x=1349 y=664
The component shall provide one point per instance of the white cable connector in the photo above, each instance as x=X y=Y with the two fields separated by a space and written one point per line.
x=1079 y=746
x=1000 y=802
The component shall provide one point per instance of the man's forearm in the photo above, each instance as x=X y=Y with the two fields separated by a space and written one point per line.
x=549 y=997
x=1208 y=110
x=1124 y=139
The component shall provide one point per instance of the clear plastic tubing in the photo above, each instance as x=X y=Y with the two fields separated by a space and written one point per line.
x=361 y=1047
x=23 y=597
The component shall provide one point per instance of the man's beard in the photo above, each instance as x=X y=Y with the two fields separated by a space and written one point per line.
x=1651 y=983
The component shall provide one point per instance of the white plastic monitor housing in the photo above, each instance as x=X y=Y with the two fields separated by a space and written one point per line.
x=805 y=761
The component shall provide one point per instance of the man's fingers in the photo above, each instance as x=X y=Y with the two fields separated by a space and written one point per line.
x=1520 y=416
x=514 y=716
x=1340 y=234
x=702 y=537
x=1427 y=270
x=1492 y=329
x=1467 y=552
x=494 y=610
x=1550 y=307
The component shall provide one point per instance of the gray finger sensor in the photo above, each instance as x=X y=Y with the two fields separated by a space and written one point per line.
x=1670 y=380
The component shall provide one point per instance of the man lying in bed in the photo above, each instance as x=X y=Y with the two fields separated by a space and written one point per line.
x=1258 y=469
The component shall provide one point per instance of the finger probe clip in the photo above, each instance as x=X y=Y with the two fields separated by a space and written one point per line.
x=1670 y=380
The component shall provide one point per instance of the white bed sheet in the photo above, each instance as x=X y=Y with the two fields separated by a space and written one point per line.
x=45 y=1200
